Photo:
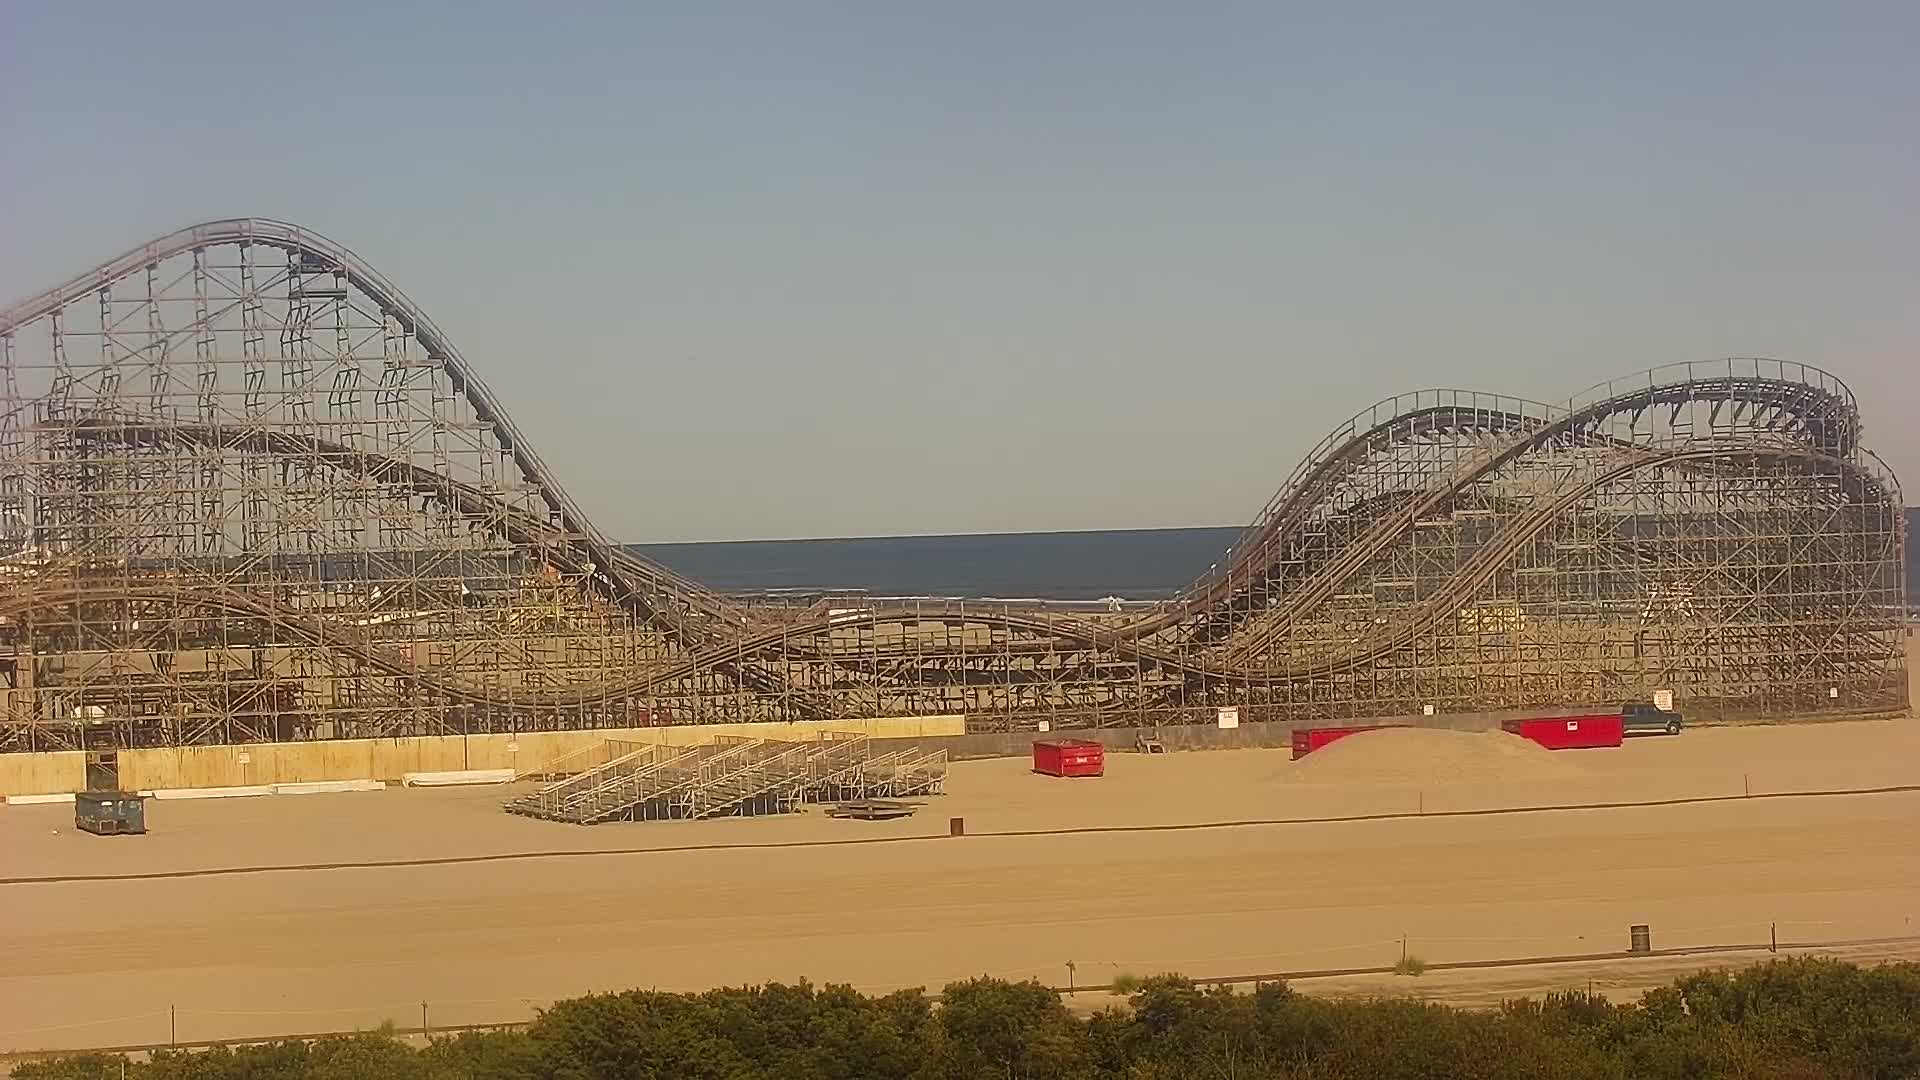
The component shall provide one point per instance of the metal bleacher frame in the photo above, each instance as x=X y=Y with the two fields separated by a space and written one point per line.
x=620 y=780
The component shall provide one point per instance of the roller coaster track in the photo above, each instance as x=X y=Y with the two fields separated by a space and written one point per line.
x=517 y=526
x=512 y=524
x=1443 y=606
x=626 y=574
x=1234 y=626
x=212 y=596
x=1814 y=409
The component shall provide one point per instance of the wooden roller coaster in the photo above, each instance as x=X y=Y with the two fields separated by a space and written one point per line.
x=249 y=491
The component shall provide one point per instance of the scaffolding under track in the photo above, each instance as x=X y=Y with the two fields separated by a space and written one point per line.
x=250 y=492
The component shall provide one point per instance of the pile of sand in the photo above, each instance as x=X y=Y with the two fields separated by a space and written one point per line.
x=1429 y=757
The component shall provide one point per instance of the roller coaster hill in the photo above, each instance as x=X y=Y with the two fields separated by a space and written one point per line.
x=249 y=491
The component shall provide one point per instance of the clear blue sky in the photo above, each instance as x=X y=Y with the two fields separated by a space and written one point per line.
x=801 y=269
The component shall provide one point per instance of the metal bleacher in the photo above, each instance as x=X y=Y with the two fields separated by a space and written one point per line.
x=731 y=776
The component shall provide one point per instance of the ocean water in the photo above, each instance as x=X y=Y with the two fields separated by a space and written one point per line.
x=1134 y=564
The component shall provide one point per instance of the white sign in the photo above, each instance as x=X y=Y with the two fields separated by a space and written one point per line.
x=1427 y=709
x=513 y=747
x=1663 y=700
x=1230 y=716
x=1046 y=725
x=1833 y=691
x=245 y=758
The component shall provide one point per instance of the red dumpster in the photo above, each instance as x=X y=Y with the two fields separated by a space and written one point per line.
x=1571 y=732
x=1069 y=757
x=1307 y=740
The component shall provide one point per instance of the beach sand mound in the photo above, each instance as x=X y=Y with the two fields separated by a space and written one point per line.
x=1428 y=757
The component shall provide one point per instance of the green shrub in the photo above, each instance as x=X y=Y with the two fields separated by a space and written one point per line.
x=1801 y=1019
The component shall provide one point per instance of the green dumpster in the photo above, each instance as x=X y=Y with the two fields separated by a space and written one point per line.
x=109 y=813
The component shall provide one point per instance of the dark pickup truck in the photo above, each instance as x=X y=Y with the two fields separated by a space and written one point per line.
x=1649 y=720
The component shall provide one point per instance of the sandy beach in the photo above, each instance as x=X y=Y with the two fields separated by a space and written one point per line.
x=609 y=907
